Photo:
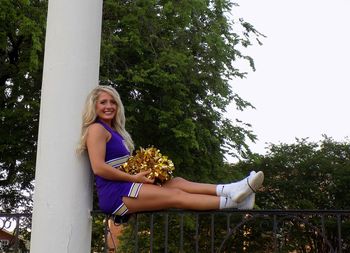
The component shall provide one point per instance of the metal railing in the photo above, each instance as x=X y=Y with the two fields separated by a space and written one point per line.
x=213 y=231
x=235 y=231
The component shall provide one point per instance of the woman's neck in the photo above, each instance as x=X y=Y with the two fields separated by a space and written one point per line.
x=107 y=122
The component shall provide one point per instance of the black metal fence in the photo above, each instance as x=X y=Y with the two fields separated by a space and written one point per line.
x=234 y=231
x=215 y=231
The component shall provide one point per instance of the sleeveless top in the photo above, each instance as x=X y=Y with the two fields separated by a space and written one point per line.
x=111 y=192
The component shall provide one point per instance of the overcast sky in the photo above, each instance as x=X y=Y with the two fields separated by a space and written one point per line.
x=301 y=84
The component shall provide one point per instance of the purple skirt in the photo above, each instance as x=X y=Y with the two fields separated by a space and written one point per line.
x=110 y=194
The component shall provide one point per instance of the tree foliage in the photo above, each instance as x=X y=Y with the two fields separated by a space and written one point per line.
x=304 y=175
x=172 y=62
x=22 y=24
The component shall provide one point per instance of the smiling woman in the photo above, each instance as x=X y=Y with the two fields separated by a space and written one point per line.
x=104 y=103
x=106 y=108
x=109 y=146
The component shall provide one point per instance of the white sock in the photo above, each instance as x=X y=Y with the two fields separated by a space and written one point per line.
x=220 y=190
x=226 y=202
x=225 y=189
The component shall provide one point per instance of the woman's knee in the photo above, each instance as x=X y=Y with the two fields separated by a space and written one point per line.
x=175 y=182
x=176 y=197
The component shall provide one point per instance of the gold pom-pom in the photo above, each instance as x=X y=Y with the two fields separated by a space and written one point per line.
x=150 y=159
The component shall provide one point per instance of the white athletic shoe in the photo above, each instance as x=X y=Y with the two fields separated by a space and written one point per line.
x=241 y=190
x=248 y=203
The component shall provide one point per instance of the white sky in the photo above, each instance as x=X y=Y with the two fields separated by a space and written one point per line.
x=301 y=84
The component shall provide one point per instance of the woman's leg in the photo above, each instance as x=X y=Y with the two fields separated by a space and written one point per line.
x=191 y=187
x=152 y=197
x=237 y=191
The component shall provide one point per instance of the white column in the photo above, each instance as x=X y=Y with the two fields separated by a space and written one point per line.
x=63 y=181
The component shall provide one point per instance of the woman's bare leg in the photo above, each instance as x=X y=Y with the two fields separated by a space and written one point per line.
x=191 y=187
x=152 y=197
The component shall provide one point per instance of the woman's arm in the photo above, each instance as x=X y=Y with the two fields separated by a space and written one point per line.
x=97 y=138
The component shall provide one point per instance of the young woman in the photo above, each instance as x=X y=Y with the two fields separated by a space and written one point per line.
x=109 y=145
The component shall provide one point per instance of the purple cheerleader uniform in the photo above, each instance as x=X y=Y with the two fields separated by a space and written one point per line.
x=110 y=193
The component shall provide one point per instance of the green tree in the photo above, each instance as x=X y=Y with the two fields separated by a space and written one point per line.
x=172 y=62
x=305 y=175
x=22 y=30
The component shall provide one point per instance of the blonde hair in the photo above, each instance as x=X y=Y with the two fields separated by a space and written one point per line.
x=90 y=116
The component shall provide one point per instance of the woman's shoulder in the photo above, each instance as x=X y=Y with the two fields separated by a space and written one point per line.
x=98 y=131
x=96 y=128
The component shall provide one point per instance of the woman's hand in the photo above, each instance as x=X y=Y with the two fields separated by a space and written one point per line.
x=141 y=177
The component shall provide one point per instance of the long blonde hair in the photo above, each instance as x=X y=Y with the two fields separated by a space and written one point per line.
x=90 y=116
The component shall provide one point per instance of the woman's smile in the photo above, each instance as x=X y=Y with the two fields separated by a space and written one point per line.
x=106 y=107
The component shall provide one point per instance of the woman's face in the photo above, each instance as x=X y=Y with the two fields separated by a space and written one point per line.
x=106 y=107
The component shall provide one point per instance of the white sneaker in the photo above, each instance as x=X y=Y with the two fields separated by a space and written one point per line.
x=248 y=203
x=246 y=187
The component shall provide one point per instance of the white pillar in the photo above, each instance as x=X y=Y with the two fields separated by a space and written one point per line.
x=63 y=181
